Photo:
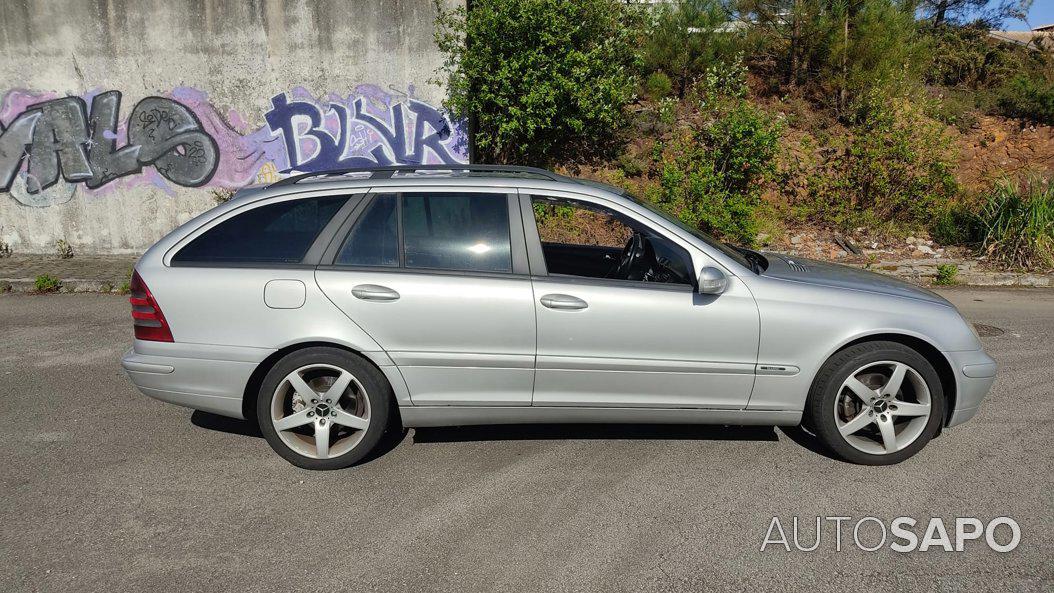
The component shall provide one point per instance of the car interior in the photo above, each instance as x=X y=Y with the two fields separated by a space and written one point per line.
x=601 y=243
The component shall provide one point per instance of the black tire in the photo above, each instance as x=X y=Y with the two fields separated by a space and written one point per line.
x=826 y=387
x=377 y=390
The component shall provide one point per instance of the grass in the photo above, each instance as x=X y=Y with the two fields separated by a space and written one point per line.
x=46 y=283
x=1017 y=225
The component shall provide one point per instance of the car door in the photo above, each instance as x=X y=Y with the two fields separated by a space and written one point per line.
x=439 y=279
x=622 y=343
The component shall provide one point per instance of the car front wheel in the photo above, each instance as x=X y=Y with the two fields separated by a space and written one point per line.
x=323 y=408
x=876 y=403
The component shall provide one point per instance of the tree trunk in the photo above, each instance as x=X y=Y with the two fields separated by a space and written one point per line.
x=942 y=10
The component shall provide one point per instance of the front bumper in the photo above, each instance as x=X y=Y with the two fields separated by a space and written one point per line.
x=974 y=375
x=216 y=386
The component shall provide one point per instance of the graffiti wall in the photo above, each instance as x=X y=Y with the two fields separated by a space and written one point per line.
x=53 y=148
x=121 y=120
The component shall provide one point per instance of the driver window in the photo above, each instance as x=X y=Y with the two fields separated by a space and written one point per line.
x=583 y=239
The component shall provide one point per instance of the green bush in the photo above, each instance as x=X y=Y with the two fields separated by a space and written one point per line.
x=545 y=80
x=946 y=274
x=658 y=85
x=1027 y=98
x=46 y=283
x=1018 y=225
x=968 y=57
x=894 y=170
x=712 y=174
x=955 y=224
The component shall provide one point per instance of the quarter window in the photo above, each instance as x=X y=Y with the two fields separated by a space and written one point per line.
x=375 y=239
x=276 y=233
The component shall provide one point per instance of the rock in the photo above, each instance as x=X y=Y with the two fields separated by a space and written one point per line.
x=796 y=240
x=911 y=240
x=924 y=249
x=842 y=253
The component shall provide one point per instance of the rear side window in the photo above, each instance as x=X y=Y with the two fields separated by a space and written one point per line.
x=443 y=231
x=276 y=233
x=457 y=232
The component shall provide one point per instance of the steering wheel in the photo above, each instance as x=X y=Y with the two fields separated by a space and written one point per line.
x=633 y=263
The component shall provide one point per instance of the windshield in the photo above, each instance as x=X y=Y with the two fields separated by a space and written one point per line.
x=724 y=248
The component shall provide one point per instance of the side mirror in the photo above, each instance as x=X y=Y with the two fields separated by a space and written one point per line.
x=712 y=281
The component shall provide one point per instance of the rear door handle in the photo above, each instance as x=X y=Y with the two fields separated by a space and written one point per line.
x=373 y=292
x=563 y=301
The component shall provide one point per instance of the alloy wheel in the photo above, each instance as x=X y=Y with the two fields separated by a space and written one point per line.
x=882 y=407
x=320 y=411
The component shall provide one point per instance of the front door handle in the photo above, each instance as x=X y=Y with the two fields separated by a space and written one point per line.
x=563 y=301
x=373 y=292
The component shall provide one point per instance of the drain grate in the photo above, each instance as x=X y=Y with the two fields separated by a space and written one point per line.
x=988 y=331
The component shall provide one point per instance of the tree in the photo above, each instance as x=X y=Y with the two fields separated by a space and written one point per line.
x=686 y=37
x=837 y=48
x=941 y=12
x=546 y=80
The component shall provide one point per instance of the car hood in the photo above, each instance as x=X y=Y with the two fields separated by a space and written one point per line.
x=819 y=273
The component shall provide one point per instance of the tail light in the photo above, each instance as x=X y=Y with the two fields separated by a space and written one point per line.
x=147 y=317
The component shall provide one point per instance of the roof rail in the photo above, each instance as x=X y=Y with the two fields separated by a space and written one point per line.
x=386 y=172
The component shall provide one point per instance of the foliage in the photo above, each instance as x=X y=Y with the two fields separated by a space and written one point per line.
x=5 y=249
x=894 y=168
x=836 y=50
x=63 y=249
x=685 y=37
x=955 y=224
x=658 y=85
x=968 y=57
x=126 y=286
x=1027 y=98
x=46 y=283
x=712 y=172
x=946 y=274
x=545 y=80
x=1018 y=225
x=955 y=107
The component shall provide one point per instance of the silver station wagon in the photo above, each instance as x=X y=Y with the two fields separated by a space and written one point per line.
x=331 y=307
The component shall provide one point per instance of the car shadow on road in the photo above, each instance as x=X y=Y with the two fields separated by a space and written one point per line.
x=218 y=423
x=534 y=432
x=390 y=440
x=540 y=432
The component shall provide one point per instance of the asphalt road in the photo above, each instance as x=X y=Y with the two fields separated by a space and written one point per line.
x=104 y=489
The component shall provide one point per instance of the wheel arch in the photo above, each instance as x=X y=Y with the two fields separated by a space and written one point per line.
x=931 y=353
x=252 y=386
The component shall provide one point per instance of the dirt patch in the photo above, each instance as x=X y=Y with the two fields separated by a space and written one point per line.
x=995 y=148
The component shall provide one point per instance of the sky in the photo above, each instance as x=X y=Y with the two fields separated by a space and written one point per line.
x=1041 y=13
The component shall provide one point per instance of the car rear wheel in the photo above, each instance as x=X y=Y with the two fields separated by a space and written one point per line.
x=876 y=403
x=323 y=408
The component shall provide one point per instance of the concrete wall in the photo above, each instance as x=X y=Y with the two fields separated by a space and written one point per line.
x=120 y=118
